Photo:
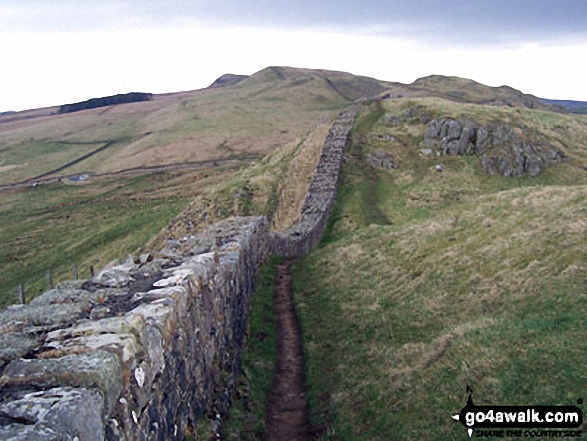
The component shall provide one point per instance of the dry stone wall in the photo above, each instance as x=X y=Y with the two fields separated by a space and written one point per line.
x=139 y=352
x=302 y=237
x=153 y=343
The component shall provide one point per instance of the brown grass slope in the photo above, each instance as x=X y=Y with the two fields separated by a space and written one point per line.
x=254 y=116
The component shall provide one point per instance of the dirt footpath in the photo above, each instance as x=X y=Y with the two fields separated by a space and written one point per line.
x=287 y=408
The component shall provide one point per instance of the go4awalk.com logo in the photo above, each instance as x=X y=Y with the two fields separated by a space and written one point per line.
x=521 y=421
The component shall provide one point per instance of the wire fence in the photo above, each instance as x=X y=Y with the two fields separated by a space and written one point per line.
x=22 y=293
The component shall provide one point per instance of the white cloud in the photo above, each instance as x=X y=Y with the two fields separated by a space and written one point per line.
x=49 y=68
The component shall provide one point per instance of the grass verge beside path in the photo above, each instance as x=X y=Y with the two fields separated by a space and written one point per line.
x=247 y=415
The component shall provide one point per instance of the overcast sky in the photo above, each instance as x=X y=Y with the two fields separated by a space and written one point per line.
x=59 y=51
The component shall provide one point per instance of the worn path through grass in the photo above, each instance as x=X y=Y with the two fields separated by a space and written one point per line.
x=287 y=406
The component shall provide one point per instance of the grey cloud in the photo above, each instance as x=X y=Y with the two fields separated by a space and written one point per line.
x=465 y=21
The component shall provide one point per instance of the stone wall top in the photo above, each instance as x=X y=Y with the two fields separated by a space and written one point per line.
x=136 y=352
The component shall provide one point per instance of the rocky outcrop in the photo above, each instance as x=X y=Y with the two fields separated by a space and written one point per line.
x=380 y=159
x=504 y=150
x=450 y=137
x=411 y=114
x=150 y=344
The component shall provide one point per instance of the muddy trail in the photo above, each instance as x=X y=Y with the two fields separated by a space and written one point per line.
x=287 y=406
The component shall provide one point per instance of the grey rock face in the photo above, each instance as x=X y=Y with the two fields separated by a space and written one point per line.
x=64 y=295
x=14 y=345
x=60 y=413
x=69 y=284
x=381 y=159
x=113 y=278
x=99 y=370
x=503 y=151
x=483 y=140
x=43 y=315
x=450 y=137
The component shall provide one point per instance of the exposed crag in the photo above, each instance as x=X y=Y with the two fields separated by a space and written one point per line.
x=503 y=149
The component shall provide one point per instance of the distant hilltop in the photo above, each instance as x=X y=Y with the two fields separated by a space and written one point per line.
x=228 y=80
x=345 y=85
x=466 y=90
x=579 y=107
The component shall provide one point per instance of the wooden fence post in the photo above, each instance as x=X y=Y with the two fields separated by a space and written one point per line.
x=92 y=270
x=74 y=271
x=49 y=280
x=21 y=297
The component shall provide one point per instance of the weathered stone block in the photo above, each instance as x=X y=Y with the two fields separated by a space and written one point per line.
x=42 y=315
x=64 y=295
x=57 y=414
x=15 y=345
x=100 y=370
x=113 y=278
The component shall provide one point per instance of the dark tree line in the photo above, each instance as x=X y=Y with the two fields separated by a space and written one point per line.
x=123 y=98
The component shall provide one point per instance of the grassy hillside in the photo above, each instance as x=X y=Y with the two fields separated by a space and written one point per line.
x=275 y=187
x=52 y=226
x=254 y=116
x=427 y=282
